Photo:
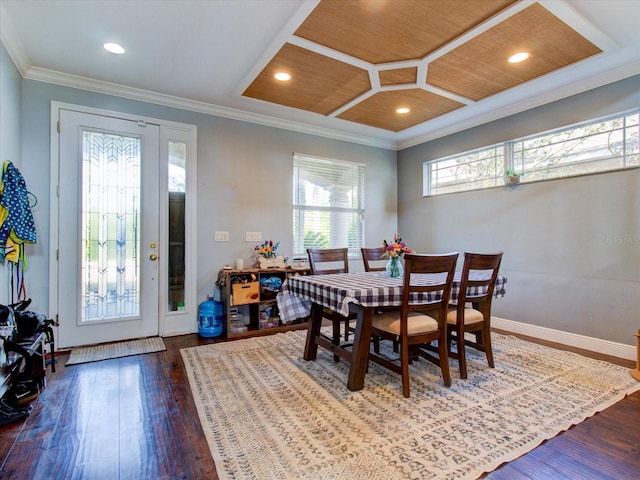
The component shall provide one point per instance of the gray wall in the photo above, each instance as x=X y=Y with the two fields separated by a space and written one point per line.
x=10 y=140
x=571 y=246
x=244 y=180
x=10 y=110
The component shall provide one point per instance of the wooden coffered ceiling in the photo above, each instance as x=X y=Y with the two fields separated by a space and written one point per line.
x=361 y=60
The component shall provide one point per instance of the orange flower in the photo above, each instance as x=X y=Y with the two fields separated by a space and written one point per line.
x=396 y=249
x=267 y=248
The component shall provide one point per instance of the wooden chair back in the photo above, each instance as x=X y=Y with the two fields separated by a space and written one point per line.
x=372 y=258
x=324 y=261
x=442 y=268
x=478 y=280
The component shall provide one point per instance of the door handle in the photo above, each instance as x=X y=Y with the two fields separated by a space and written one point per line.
x=153 y=257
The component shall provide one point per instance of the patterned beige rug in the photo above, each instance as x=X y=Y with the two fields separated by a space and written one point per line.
x=269 y=414
x=115 y=350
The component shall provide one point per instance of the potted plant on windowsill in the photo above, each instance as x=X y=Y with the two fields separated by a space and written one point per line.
x=511 y=177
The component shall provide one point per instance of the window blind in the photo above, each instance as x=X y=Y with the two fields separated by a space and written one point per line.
x=328 y=204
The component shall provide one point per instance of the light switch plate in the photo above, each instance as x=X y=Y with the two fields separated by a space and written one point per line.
x=254 y=236
x=222 y=236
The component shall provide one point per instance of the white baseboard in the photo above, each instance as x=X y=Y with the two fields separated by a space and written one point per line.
x=175 y=333
x=605 y=347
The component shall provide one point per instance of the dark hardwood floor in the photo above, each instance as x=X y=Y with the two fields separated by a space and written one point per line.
x=134 y=418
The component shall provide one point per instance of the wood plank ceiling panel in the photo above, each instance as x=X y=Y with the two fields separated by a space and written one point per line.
x=319 y=84
x=398 y=76
x=393 y=31
x=379 y=110
x=479 y=68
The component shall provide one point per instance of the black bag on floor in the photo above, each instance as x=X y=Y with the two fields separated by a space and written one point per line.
x=28 y=323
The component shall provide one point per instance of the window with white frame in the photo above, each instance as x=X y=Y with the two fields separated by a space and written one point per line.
x=601 y=145
x=328 y=204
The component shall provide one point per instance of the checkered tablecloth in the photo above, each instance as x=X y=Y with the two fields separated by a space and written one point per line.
x=369 y=289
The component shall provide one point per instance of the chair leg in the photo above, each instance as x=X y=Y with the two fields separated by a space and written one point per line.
x=404 y=361
x=488 y=349
x=336 y=334
x=444 y=361
x=462 y=354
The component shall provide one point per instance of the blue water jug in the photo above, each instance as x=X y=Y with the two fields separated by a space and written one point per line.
x=210 y=318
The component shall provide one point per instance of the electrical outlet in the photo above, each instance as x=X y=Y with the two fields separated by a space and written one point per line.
x=254 y=236
x=222 y=236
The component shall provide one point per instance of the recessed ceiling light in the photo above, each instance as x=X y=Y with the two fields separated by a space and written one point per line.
x=402 y=110
x=282 y=76
x=113 y=48
x=519 y=57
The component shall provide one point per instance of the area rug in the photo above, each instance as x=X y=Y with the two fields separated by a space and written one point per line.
x=115 y=350
x=269 y=414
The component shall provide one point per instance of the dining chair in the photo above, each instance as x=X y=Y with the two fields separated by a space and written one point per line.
x=371 y=257
x=473 y=310
x=323 y=261
x=419 y=322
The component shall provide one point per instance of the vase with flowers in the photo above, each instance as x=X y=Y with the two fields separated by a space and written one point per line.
x=267 y=249
x=268 y=255
x=395 y=251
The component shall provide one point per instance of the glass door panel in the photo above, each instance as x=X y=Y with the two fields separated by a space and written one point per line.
x=110 y=263
x=176 y=234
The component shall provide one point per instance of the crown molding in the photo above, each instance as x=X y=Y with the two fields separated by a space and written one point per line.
x=108 y=88
x=446 y=125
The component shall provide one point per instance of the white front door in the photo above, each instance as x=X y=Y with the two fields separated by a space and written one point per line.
x=108 y=223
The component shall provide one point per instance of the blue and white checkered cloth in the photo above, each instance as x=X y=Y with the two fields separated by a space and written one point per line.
x=369 y=289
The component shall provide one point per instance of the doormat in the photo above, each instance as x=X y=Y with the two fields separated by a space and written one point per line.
x=116 y=350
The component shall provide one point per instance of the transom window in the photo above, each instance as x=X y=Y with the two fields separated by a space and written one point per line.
x=606 y=144
x=328 y=204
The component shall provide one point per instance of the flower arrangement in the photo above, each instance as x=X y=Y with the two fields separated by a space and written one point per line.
x=267 y=249
x=395 y=249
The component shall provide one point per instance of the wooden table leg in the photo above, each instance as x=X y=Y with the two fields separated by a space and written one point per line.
x=313 y=331
x=360 y=352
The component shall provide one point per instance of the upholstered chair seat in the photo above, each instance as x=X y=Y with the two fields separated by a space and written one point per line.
x=416 y=323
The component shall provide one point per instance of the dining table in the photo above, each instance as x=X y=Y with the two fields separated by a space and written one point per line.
x=362 y=293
